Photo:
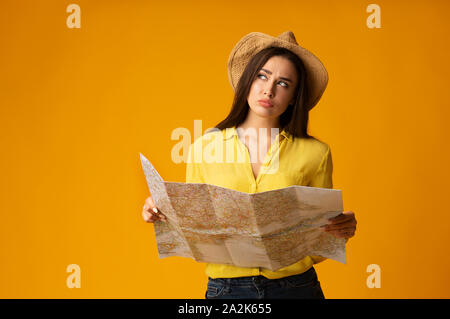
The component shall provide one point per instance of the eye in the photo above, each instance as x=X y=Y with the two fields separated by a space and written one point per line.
x=260 y=74
x=284 y=83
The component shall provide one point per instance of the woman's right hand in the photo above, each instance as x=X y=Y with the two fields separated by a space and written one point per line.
x=151 y=213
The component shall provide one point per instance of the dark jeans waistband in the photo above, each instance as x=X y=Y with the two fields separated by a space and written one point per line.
x=305 y=277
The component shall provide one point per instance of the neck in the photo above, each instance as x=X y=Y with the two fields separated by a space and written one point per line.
x=257 y=123
x=253 y=120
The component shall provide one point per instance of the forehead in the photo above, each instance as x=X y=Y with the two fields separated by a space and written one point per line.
x=280 y=66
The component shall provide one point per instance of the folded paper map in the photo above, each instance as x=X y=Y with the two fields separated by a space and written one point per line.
x=271 y=229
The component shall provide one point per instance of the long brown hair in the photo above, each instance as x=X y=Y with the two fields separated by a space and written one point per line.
x=295 y=118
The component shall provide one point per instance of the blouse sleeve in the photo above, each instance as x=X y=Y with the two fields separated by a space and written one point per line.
x=193 y=170
x=323 y=176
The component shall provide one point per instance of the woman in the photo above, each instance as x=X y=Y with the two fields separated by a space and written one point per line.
x=276 y=83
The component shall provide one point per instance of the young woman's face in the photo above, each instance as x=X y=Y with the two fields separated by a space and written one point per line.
x=275 y=82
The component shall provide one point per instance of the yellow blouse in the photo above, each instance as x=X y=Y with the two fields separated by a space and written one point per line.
x=299 y=161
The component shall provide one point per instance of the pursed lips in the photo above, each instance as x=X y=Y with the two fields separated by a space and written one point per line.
x=265 y=102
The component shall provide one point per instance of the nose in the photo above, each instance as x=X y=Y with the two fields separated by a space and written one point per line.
x=268 y=90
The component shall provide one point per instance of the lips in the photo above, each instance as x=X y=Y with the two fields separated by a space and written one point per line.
x=265 y=103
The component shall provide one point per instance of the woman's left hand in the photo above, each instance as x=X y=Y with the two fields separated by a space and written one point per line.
x=342 y=226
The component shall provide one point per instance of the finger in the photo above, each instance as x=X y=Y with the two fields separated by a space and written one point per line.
x=340 y=229
x=343 y=233
x=150 y=209
x=349 y=213
x=344 y=215
x=348 y=234
x=159 y=215
x=346 y=224
x=147 y=208
x=152 y=213
x=339 y=219
x=148 y=217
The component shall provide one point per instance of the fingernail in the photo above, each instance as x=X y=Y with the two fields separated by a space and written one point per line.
x=155 y=210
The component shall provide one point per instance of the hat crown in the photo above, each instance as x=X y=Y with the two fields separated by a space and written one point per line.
x=288 y=36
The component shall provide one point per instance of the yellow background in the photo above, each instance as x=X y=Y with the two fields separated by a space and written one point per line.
x=78 y=105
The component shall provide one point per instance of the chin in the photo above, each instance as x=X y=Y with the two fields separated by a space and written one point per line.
x=264 y=112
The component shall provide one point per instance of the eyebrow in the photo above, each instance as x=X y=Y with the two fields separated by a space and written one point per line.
x=286 y=79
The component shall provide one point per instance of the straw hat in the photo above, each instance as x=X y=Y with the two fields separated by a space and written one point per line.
x=249 y=45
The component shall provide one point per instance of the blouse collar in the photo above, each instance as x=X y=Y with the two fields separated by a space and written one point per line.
x=229 y=132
